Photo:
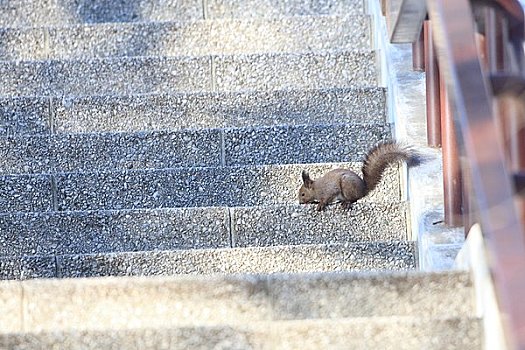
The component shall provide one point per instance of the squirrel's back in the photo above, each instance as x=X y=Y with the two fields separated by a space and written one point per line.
x=383 y=155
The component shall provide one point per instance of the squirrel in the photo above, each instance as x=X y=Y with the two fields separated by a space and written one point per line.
x=346 y=186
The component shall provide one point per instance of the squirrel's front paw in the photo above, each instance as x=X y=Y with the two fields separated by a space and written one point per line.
x=321 y=206
x=346 y=205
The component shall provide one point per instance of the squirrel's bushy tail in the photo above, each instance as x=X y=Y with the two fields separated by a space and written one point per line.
x=384 y=154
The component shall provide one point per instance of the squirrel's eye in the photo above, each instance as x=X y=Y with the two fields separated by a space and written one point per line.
x=302 y=194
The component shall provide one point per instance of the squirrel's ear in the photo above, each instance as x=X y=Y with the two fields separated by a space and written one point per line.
x=306 y=179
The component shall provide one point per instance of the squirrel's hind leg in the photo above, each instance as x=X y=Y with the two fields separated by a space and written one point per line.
x=352 y=189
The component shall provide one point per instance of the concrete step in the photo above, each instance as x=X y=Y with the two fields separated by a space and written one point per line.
x=184 y=187
x=63 y=233
x=393 y=255
x=185 y=301
x=357 y=333
x=189 y=148
x=139 y=75
x=168 y=188
x=23 y=13
x=156 y=112
x=198 y=38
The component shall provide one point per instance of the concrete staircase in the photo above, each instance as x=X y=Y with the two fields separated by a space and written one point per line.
x=162 y=142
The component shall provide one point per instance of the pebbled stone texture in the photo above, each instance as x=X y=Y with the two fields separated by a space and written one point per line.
x=291 y=71
x=289 y=259
x=302 y=224
x=25 y=193
x=24 y=78
x=36 y=13
x=276 y=8
x=29 y=267
x=219 y=110
x=140 y=75
x=327 y=295
x=367 y=333
x=301 y=143
x=117 y=231
x=104 y=76
x=10 y=304
x=22 y=44
x=122 y=304
x=127 y=303
x=16 y=13
x=91 y=152
x=25 y=154
x=210 y=37
x=24 y=116
x=192 y=187
x=143 y=150
x=202 y=147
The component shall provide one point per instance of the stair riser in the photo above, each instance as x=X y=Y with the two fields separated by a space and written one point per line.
x=301 y=34
x=171 y=75
x=206 y=147
x=67 y=12
x=168 y=188
x=97 y=304
x=122 y=231
x=22 y=116
x=293 y=259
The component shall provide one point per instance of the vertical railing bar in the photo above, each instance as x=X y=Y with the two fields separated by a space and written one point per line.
x=432 y=89
x=418 y=52
x=452 y=184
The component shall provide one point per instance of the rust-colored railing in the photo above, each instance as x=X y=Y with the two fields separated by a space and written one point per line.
x=475 y=70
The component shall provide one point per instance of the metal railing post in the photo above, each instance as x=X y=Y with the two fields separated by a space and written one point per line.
x=432 y=89
x=452 y=182
x=418 y=52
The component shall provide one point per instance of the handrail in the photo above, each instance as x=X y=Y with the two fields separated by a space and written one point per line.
x=452 y=23
x=471 y=88
x=514 y=14
x=407 y=17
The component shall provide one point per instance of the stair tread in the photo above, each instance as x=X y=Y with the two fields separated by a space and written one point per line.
x=258 y=145
x=203 y=37
x=56 y=233
x=30 y=115
x=132 y=302
x=356 y=333
x=124 y=76
x=177 y=187
x=67 y=12
x=369 y=256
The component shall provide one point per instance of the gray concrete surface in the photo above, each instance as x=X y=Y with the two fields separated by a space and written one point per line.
x=25 y=193
x=367 y=333
x=186 y=74
x=209 y=110
x=58 y=233
x=189 y=148
x=296 y=224
x=192 y=187
x=307 y=71
x=113 y=231
x=24 y=116
x=197 y=38
x=36 y=13
x=127 y=303
x=156 y=112
x=302 y=143
x=258 y=260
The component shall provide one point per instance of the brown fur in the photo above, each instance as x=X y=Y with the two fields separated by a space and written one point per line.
x=346 y=186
